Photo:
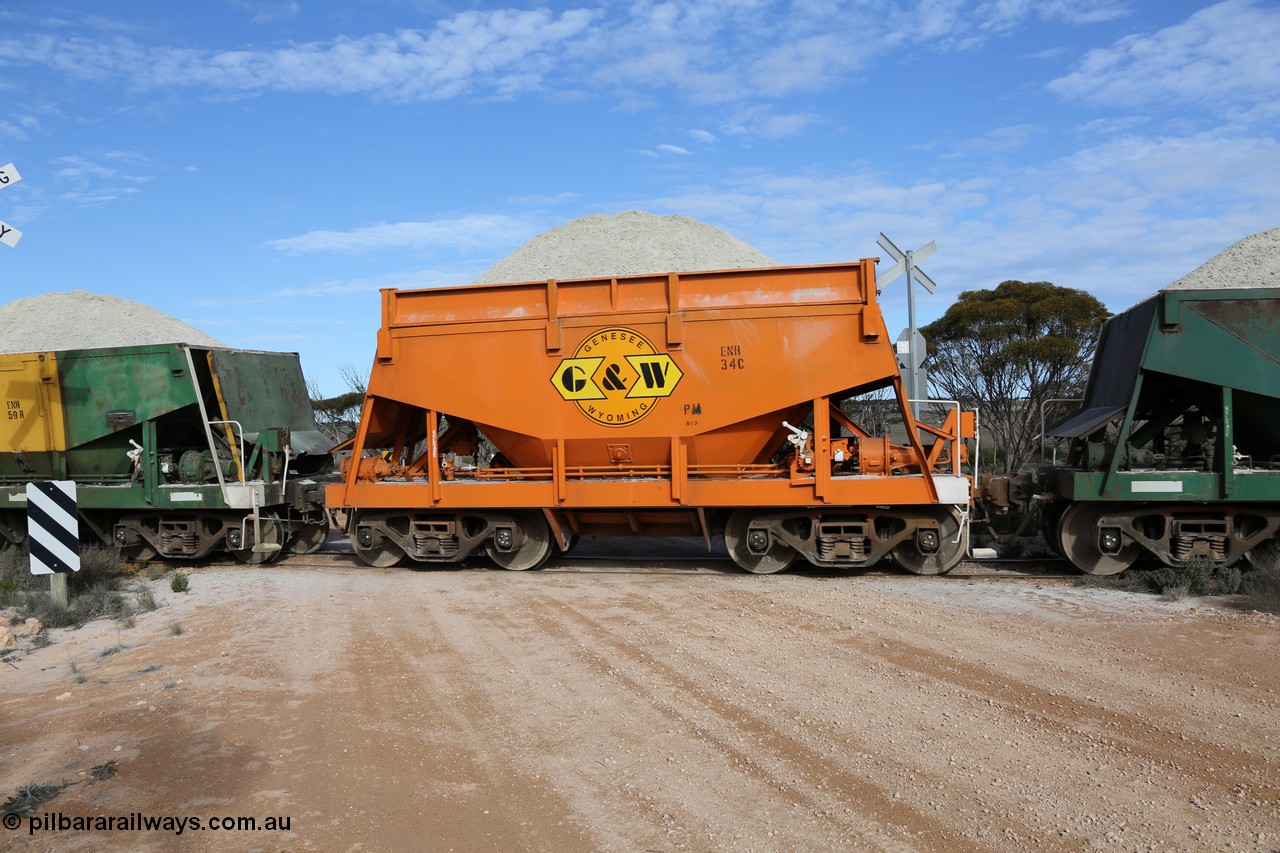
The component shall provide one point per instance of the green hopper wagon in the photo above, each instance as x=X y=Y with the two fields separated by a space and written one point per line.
x=175 y=450
x=1175 y=451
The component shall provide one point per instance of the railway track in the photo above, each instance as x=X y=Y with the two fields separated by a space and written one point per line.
x=680 y=559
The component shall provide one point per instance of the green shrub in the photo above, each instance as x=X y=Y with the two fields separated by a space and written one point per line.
x=98 y=564
x=50 y=613
x=97 y=600
x=1190 y=577
x=103 y=771
x=179 y=582
x=1228 y=579
x=1261 y=588
x=30 y=797
x=16 y=579
x=146 y=601
x=100 y=599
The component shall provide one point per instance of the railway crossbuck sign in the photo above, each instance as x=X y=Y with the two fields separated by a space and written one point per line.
x=8 y=234
x=913 y=357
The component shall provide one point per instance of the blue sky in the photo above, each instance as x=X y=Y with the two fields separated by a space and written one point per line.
x=260 y=169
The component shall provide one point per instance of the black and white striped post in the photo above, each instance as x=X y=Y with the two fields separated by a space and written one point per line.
x=54 y=532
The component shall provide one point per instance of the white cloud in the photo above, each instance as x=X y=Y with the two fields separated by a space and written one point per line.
x=18 y=128
x=96 y=179
x=788 y=125
x=500 y=52
x=661 y=150
x=1001 y=16
x=465 y=234
x=1223 y=55
x=810 y=64
x=1120 y=218
x=709 y=51
x=76 y=167
x=997 y=141
x=704 y=136
x=1175 y=171
x=96 y=197
x=761 y=121
x=544 y=199
x=399 y=280
x=265 y=12
x=334 y=287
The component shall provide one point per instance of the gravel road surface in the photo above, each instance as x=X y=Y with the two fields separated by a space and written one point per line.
x=462 y=710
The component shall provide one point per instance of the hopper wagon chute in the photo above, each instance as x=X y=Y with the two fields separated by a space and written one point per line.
x=510 y=419
x=176 y=450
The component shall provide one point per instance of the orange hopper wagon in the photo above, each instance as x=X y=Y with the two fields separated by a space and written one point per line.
x=512 y=418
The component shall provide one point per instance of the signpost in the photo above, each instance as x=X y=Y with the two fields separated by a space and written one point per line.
x=911 y=353
x=8 y=234
x=54 y=530
x=911 y=358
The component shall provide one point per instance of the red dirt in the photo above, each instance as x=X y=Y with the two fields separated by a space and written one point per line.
x=459 y=710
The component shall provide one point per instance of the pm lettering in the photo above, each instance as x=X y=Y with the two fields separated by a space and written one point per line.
x=14 y=410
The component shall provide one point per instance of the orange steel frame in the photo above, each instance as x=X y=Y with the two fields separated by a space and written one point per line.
x=484 y=354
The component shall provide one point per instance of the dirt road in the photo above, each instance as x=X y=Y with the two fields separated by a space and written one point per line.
x=405 y=710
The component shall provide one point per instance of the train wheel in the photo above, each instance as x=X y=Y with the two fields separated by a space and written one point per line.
x=934 y=552
x=382 y=555
x=1050 y=515
x=272 y=534
x=529 y=546
x=310 y=535
x=755 y=550
x=1078 y=542
x=1265 y=555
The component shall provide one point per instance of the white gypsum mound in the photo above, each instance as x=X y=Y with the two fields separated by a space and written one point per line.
x=1251 y=262
x=83 y=320
x=629 y=243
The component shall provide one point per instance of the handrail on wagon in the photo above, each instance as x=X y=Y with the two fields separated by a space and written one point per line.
x=1043 y=405
x=237 y=450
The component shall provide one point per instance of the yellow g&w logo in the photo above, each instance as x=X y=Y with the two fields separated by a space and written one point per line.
x=616 y=376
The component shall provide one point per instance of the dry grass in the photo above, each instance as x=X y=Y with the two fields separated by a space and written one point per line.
x=1261 y=585
x=91 y=592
